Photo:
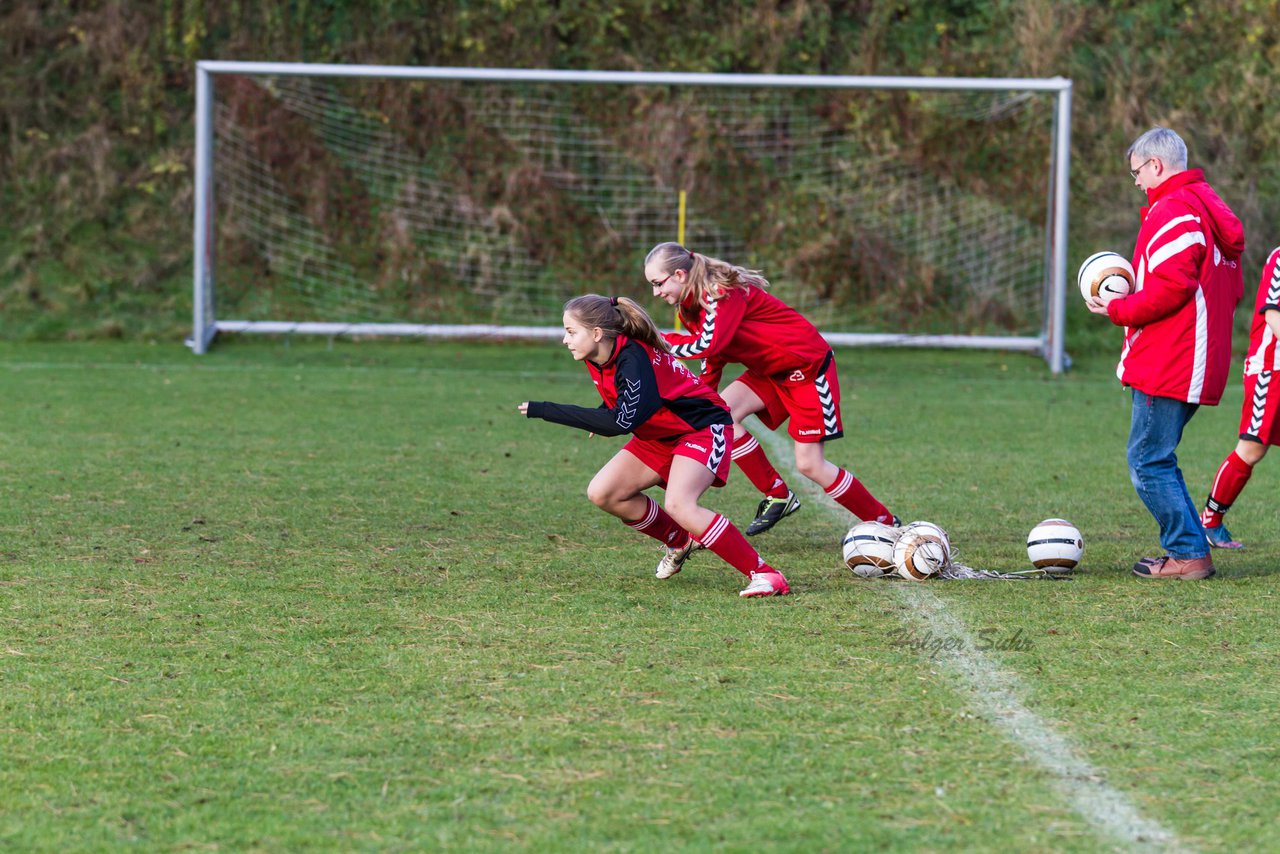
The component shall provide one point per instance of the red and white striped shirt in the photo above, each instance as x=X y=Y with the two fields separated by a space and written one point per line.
x=1177 y=343
x=1262 y=339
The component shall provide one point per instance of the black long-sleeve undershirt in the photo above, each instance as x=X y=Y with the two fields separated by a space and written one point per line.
x=638 y=400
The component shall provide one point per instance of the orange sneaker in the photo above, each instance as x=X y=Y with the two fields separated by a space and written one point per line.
x=1193 y=569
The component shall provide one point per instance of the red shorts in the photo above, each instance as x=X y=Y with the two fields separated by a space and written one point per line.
x=708 y=446
x=1258 y=416
x=809 y=397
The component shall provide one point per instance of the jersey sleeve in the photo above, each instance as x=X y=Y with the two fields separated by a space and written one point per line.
x=679 y=339
x=1269 y=285
x=638 y=400
x=722 y=319
x=712 y=372
x=1172 y=261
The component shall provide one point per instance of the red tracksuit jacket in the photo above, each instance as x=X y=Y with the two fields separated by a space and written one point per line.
x=1177 y=343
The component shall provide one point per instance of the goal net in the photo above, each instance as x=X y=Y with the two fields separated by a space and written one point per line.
x=398 y=201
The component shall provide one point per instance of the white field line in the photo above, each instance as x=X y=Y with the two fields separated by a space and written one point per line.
x=996 y=692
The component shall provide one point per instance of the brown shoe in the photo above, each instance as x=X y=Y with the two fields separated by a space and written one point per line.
x=1171 y=567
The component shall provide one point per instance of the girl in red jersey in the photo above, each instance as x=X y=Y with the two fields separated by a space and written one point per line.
x=678 y=427
x=791 y=374
x=1260 y=416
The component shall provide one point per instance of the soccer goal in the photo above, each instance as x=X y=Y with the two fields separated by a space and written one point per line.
x=384 y=200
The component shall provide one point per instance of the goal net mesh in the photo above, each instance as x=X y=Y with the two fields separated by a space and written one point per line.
x=403 y=201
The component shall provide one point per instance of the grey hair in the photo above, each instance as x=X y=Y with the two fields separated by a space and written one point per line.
x=1163 y=143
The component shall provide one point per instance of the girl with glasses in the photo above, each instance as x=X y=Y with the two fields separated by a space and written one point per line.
x=791 y=374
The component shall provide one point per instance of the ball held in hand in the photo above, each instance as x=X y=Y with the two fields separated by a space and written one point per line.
x=1105 y=276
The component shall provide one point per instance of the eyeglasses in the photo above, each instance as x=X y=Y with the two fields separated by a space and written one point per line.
x=1133 y=173
x=663 y=282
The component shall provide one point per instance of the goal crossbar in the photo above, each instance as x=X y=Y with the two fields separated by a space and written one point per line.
x=496 y=331
x=633 y=78
x=206 y=325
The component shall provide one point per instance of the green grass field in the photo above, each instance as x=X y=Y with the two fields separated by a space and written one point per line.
x=287 y=597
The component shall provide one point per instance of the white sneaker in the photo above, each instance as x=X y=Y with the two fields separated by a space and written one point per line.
x=767 y=584
x=673 y=561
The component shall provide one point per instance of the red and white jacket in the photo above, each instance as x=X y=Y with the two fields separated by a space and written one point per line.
x=1177 y=341
x=646 y=392
x=1262 y=340
x=751 y=327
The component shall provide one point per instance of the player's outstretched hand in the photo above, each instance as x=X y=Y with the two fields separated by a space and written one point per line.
x=524 y=408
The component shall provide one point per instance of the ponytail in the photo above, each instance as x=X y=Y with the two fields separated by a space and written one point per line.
x=707 y=278
x=617 y=316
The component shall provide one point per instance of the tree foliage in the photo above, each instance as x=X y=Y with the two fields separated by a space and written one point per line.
x=96 y=103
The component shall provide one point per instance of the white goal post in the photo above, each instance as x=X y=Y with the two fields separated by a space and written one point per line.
x=433 y=190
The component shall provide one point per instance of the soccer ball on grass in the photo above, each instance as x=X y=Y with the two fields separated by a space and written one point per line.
x=922 y=550
x=868 y=549
x=1055 y=545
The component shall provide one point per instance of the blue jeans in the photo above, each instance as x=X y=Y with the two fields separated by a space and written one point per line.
x=1154 y=434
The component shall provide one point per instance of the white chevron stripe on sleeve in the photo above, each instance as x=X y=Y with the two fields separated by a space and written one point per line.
x=696 y=348
x=627 y=404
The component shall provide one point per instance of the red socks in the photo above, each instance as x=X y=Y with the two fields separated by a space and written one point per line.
x=728 y=544
x=751 y=458
x=850 y=494
x=657 y=524
x=1227 y=486
x=721 y=537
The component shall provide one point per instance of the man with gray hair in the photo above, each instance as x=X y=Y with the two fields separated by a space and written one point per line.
x=1177 y=339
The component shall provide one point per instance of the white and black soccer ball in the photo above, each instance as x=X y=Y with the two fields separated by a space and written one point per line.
x=868 y=549
x=1105 y=275
x=1055 y=545
x=922 y=550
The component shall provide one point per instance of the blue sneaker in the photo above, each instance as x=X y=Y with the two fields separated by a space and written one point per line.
x=1220 y=538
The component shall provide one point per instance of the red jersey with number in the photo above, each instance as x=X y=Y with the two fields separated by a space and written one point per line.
x=751 y=327
x=646 y=392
